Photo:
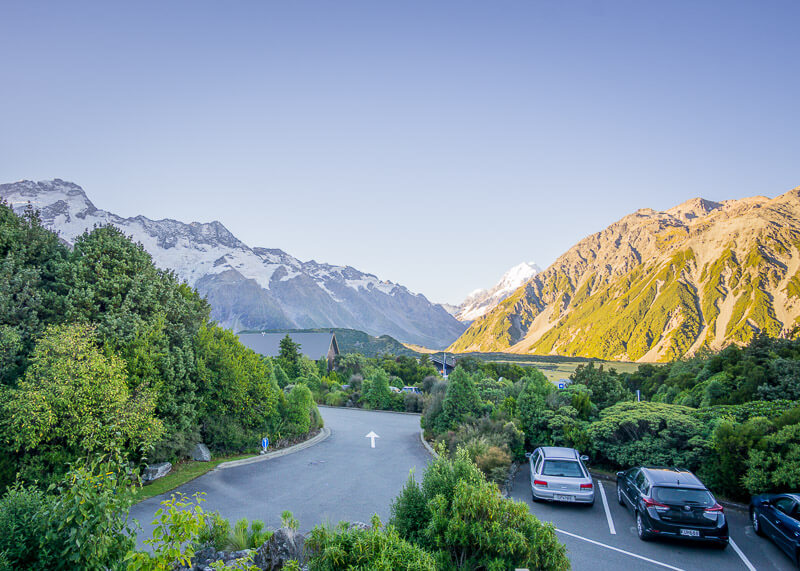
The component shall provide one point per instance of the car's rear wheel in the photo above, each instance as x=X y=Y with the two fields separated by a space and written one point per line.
x=641 y=531
x=756 y=521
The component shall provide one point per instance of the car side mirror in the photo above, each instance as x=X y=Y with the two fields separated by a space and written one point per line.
x=620 y=474
x=528 y=454
x=584 y=458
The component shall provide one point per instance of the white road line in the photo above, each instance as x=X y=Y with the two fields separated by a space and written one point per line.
x=653 y=561
x=605 y=506
x=741 y=555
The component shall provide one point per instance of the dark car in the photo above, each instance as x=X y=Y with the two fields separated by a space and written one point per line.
x=672 y=502
x=778 y=517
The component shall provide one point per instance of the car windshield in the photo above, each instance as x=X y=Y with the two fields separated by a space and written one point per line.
x=565 y=468
x=683 y=496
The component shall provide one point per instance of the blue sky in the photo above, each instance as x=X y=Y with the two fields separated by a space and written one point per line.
x=435 y=144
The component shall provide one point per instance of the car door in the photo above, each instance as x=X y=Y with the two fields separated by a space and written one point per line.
x=535 y=459
x=639 y=487
x=783 y=524
x=628 y=496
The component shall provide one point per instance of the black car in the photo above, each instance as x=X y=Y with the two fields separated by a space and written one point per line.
x=671 y=502
x=778 y=517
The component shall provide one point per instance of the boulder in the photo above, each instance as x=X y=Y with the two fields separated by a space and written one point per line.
x=156 y=471
x=200 y=453
x=284 y=545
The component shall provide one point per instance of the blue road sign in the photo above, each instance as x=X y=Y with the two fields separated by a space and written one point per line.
x=561 y=385
x=265 y=443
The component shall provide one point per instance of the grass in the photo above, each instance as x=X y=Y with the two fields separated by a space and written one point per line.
x=557 y=371
x=180 y=474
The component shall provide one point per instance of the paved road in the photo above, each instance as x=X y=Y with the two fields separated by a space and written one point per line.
x=339 y=479
x=580 y=525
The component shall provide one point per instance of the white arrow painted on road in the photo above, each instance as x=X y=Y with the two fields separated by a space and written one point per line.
x=372 y=436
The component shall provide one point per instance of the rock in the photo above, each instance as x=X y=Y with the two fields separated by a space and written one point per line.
x=156 y=471
x=284 y=545
x=200 y=453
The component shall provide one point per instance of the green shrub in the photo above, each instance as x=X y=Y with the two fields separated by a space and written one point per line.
x=336 y=398
x=24 y=515
x=636 y=433
x=410 y=513
x=248 y=538
x=775 y=464
x=298 y=410
x=226 y=434
x=216 y=532
x=373 y=549
x=81 y=524
x=479 y=529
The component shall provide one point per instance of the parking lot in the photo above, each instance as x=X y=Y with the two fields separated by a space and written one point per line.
x=603 y=537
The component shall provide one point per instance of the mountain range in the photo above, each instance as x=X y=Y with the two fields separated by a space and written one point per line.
x=249 y=287
x=659 y=285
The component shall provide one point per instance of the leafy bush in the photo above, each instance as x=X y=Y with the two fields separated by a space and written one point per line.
x=81 y=523
x=227 y=435
x=215 y=531
x=24 y=517
x=178 y=524
x=636 y=433
x=376 y=549
x=298 y=410
x=479 y=529
x=775 y=464
x=462 y=519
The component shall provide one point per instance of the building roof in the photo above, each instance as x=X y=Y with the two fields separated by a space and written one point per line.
x=312 y=345
x=437 y=359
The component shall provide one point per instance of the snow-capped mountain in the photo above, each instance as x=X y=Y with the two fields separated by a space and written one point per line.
x=482 y=301
x=250 y=288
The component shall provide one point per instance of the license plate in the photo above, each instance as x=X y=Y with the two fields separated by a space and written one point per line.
x=560 y=498
x=690 y=532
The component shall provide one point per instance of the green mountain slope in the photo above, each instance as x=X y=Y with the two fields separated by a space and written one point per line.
x=655 y=286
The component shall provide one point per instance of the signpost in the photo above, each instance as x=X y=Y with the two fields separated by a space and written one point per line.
x=265 y=443
x=561 y=385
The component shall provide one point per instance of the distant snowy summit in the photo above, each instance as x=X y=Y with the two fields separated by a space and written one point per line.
x=481 y=301
x=250 y=288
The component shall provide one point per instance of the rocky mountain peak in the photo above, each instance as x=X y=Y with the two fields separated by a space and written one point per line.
x=693 y=208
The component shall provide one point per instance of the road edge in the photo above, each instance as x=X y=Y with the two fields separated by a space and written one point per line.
x=323 y=434
x=369 y=409
x=427 y=446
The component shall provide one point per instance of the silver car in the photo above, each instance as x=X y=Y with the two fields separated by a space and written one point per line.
x=559 y=475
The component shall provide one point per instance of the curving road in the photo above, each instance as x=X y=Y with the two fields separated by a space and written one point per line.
x=341 y=478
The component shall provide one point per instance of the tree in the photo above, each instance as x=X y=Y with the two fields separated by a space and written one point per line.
x=533 y=411
x=606 y=387
x=375 y=392
x=74 y=399
x=461 y=401
x=289 y=355
x=33 y=262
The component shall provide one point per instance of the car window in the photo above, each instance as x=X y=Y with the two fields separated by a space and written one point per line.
x=538 y=466
x=564 y=468
x=683 y=496
x=639 y=480
x=784 y=504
